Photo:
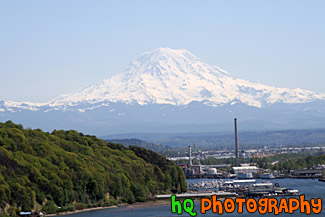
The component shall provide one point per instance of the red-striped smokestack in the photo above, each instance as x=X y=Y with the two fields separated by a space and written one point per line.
x=236 y=140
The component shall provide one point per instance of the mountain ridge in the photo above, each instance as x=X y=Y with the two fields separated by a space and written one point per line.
x=168 y=90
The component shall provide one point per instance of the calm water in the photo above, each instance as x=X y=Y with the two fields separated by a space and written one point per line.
x=310 y=188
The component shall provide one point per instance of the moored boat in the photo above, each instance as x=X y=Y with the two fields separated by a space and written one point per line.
x=267 y=176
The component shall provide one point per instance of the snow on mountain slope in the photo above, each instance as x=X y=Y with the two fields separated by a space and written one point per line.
x=176 y=77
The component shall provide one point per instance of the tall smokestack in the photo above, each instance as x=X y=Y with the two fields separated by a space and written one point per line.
x=190 y=154
x=236 y=140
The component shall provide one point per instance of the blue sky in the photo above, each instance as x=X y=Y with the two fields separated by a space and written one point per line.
x=52 y=47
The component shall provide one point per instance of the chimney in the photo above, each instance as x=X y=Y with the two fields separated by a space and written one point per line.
x=236 y=140
x=190 y=155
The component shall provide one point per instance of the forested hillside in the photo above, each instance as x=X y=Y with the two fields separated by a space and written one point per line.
x=161 y=149
x=44 y=171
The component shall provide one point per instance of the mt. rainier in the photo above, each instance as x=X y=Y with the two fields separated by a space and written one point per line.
x=168 y=88
x=177 y=77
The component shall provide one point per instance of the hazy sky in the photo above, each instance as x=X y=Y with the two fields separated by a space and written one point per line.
x=52 y=47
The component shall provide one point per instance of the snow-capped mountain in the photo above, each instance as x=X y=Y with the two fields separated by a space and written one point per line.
x=169 y=80
x=177 y=77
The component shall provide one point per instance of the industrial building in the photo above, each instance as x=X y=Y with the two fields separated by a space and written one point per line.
x=245 y=169
x=308 y=172
x=198 y=169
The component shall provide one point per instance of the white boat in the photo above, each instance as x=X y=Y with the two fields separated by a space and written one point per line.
x=267 y=176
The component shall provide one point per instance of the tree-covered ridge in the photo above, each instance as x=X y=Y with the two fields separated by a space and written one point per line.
x=44 y=170
x=160 y=149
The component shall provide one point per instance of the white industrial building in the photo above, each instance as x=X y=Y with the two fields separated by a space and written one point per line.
x=245 y=169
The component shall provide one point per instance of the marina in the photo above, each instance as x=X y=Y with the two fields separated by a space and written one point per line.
x=219 y=194
x=245 y=188
x=311 y=188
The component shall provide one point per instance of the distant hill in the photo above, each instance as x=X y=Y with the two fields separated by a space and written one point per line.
x=40 y=170
x=142 y=144
x=226 y=139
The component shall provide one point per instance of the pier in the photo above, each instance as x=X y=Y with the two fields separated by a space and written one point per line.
x=245 y=188
x=220 y=194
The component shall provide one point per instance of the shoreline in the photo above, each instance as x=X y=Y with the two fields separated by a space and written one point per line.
x=135 y=205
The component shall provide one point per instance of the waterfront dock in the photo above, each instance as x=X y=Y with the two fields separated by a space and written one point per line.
x=220 y=194
x=245 y=188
